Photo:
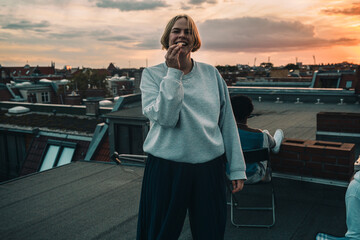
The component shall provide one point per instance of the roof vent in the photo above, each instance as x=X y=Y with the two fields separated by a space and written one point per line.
x=45 y=80
x=18 y=110
x=92 y=107
x=104 y=103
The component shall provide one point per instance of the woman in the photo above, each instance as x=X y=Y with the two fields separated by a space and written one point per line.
x=192 y=126
x=253 y=138
x=352 y=204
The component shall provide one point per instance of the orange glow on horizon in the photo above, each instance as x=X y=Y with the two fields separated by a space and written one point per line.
x=84 y=34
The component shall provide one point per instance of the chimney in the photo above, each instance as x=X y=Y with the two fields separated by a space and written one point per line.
x=92 y=107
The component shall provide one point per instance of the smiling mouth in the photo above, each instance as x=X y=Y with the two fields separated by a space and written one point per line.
x=181 y=44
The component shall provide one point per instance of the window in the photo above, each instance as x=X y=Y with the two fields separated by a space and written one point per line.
x=57 y=153
x=45 y=97
x=329 y=82
x=348 y=84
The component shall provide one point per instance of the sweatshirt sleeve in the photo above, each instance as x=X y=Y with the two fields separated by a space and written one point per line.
x=162 y=100
x=352 y=201
x=230 y=134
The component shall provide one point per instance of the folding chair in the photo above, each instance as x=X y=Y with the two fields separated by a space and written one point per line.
x=252 y=156
x=324 y=236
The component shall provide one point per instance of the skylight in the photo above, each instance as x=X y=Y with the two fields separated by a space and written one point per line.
x=57 y=154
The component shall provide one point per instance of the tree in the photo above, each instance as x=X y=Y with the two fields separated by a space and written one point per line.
x=80 y=81
x=97 y=80
x=291 y=66
x=266 y=65
x=227 y=68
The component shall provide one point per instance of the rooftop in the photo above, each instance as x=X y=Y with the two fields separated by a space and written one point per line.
x=90 y=200
x=296 y=120
x=87 y=200
x=50 y=121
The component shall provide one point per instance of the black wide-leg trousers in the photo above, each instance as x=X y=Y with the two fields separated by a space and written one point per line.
x=170 y=189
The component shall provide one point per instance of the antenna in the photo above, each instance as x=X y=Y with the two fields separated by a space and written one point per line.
x=314 y=59
x=254 y=62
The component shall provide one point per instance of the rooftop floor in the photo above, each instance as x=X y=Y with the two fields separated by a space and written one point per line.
x=296 y=120
x=87 y=200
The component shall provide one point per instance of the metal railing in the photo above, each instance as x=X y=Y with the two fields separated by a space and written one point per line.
x=129 y=159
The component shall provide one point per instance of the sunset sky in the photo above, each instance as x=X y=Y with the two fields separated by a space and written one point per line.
x=93 y=33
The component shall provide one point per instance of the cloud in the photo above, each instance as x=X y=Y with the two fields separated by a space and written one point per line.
x=126 y=41
x=185 y=7
x=252 y=34
x=119 y=38
x=68 y=34
x=149 y=43
x=70 y=50
x=354 y=10
x=198 y=2
x=5 y=36
x=131 y=5
x=37 y=2
x=27 y=25
x=72 y=33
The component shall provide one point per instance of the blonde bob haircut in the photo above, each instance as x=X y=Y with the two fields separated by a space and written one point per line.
x=192 y=27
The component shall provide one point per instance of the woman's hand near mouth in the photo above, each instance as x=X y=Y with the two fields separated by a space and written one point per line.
x=172 y=56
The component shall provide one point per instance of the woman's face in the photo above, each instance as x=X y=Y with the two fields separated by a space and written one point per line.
x=181 y=34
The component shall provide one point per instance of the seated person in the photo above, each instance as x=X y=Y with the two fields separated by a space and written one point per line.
x=352 y=203
x=252 y=138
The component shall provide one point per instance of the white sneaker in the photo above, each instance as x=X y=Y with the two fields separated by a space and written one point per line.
x=279 y=137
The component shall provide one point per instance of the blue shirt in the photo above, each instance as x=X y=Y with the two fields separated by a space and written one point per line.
x=251 y=140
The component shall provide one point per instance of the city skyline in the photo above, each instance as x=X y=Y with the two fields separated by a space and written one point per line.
x=93 y=33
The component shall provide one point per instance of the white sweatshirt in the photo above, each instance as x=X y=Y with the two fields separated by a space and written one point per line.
x=352 y=200
x=191 y=116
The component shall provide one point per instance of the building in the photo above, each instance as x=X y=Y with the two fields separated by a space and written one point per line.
x=29 y=73
x=42 y=91
x=345 y=79
x=121 y=85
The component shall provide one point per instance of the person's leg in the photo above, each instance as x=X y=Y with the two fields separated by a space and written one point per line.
x=208 y=209
x=279 y=137
x=260 y=173
x=268 y=175
x=163 y=202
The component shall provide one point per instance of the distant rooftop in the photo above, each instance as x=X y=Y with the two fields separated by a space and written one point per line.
x=50 y=121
